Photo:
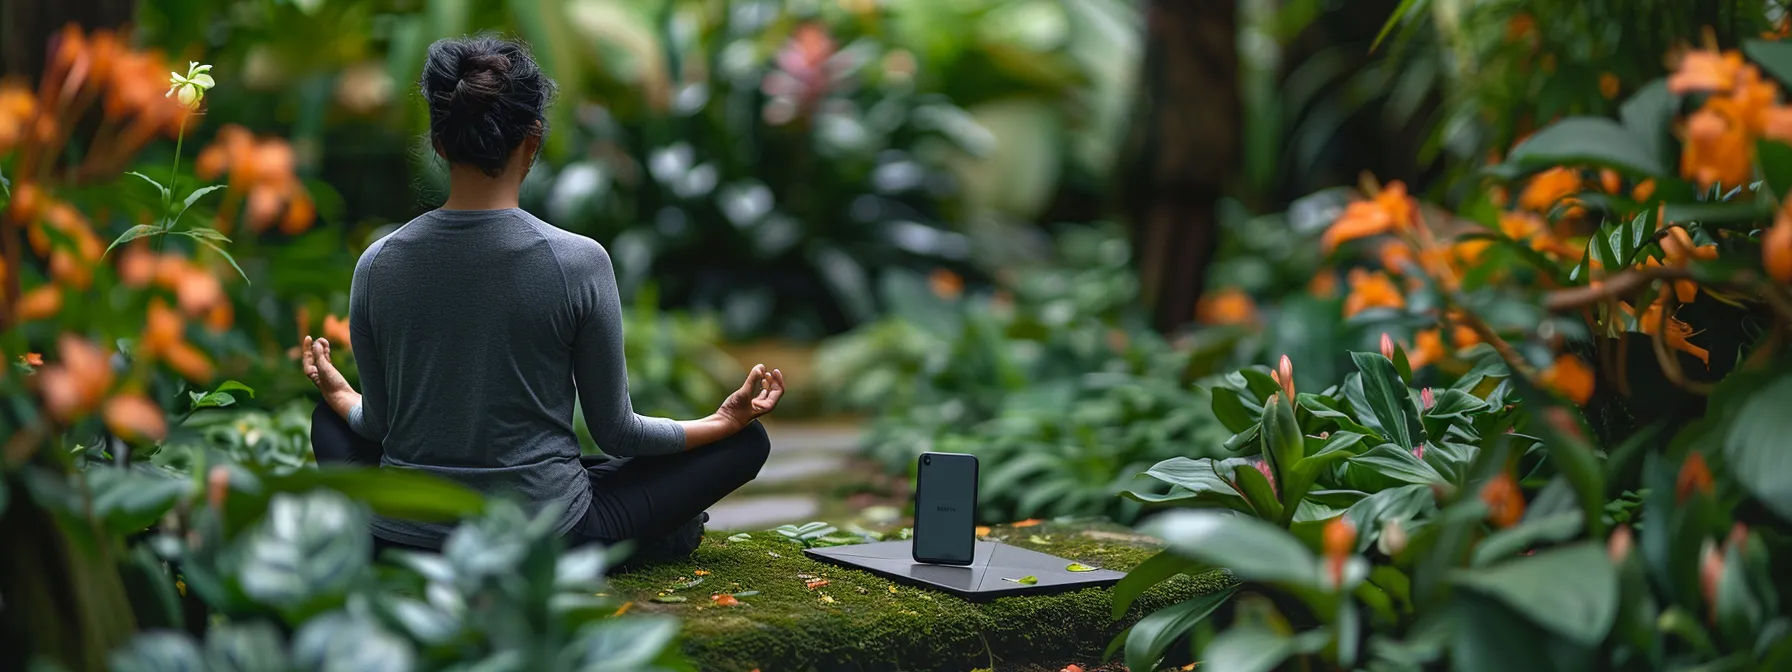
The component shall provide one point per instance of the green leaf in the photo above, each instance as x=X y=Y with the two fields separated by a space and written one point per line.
x=1232 y=410
x=1406 y=8
x=1571 y=591
x=245 y=647
x=152 y=182
x=1283 y=443
x=1721 y=212
x=342 y=642
x=130 y=499
x=214 y=400
x=1025 y=580
x=1151 y=572
x=1387 y=399
x=1247 y=648
x=1509 y=542
x=738 y=537
x=1079 y=567
x=1587 y=140
x=392 y=492
x=158 y=652
x=1773 y=56
x=1402 y=503
x=1647 y=114
x=134 y=233
x=1253 y=549
x=1153 y=634
x=1257 y=490
x=1397 y=464
x=194 y=198
x=1775 y=158
x=624 y=644
x=227 y=257
x=234 y=386
x=307 y=549
x=203 y=233
x=670 y=599
x=1755 y=450
x=1197 y=481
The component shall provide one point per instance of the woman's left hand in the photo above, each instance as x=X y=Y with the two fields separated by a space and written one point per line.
x=315 y=359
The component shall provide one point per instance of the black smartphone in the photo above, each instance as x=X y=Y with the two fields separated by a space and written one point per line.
x=946 y=509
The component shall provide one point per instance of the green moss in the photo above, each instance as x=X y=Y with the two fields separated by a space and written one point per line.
x=868 y=623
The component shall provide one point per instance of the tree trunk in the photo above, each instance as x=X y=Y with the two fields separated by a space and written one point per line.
x=1184 y=147
x=26 y=27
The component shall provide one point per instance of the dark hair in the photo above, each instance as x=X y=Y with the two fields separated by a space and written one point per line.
x=486 y=95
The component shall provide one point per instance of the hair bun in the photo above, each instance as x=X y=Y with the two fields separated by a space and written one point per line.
x=486 y=95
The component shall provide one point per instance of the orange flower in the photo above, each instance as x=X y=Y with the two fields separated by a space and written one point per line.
x=1679 y=249
x=1711 y=573
x=1520 y=26
x=32 y=359
x=1391 y=209
x=217 y=486
x=945 y=284
x=1340 y=541
x=1396 y=256
x=1776 y=247
x=1284 y=375
x=133 y=417
x=1324 y=284
x=136 y=265
x=1569 y=377
x=336 y=330
x=725 y=600
x=1618 y=546
x=1611 y=181
x=219 y=318
x=1227 y=306
x=260 y=171
x=1608 y=85
x=1428 y=347
x=1505 y=503
x=41 y=302
x=1655 y=322
x=1549 y=187
x=17 y=109
x=1718 y=147
x=1694 y=478
x=74 y=385
x=163 y=339
x=1705 y=71
x=1371 y=290
x=1643 y=190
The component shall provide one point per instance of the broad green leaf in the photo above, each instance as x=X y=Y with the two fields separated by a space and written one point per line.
x=1647 y=114
x=1571 y=591
x=130 y=499
x=254 y=646
x=1153 y=634
x=1402 y=503
x=134 y=233
x=1323 y=408
x=1587 y=140
x=194 y=198
x=158 y=652
x=397 y=493
x=1398 y=465
x=1714 y=213
x=1773 y=56
x=1254 y=648
x=1253 y=549
x=1258 y=490
x=1756 y=451
x=1509 y=542
x=1233 y=412
x=342 y=642
x=1196 y=478
x=1775 y=158
x=1283 y=443
x=1386 y=398
x=308 y=548
x=1025 y=580
x=1079 y=567
x=1152 y=571
x=624 y=644
x=214 y=400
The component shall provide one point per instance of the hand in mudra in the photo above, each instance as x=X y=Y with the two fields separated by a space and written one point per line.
x=315 y=359
x=756 y=397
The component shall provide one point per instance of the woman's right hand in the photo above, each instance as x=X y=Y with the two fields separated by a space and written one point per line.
x=757 y=396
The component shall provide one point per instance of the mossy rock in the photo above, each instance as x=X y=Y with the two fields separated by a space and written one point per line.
x=858 y=621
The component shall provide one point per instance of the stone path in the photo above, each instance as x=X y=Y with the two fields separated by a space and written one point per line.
x=801 y=451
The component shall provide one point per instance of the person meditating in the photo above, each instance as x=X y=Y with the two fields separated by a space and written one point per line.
x=476 y=324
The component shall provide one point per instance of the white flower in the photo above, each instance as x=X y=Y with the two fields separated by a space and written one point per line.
x=191 y=88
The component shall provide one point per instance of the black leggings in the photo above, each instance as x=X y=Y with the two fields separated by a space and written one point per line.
x=632 y=498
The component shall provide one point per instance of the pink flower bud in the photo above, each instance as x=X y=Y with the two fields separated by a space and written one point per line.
x=1387 y=346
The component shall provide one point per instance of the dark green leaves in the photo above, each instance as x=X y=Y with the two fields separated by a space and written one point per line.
x=308 y=548
x=1571 y=591
x=1151 y=572
x=1773 y=56
x=1587 y=140
x=1193 y=483
x=1756 y=449
x=1254 y=550
x=1153 y=634
x=1385 y=398
x=397 y=493
x=129 y=499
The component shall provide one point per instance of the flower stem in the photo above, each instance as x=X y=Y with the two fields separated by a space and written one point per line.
x=180 y=139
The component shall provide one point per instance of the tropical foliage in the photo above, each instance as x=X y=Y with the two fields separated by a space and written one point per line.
x=1613 y=268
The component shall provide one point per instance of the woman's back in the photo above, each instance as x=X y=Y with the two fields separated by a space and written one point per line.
x=469 y=327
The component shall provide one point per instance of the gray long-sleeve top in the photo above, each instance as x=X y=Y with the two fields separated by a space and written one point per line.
x=471 y=328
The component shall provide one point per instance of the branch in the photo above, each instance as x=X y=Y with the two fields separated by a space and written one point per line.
x=1618 y=285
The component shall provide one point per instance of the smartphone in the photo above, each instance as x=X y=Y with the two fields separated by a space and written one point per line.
x=946 y=509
